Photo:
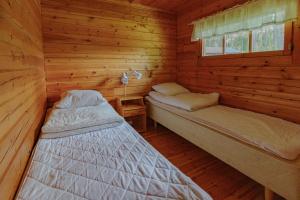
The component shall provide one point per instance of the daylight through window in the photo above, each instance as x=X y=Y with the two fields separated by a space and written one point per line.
x=267 y=38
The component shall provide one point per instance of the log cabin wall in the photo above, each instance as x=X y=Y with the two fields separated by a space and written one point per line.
x=88 y=44
x=269 y=84
x=22 y=88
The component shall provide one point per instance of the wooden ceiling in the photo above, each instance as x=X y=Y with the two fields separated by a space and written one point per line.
x=177 y=6
x=171 y=5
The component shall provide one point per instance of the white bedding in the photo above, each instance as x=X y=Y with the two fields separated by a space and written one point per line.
x=114 y=163
x=274 y=135
x=79 y=98
x=65 y=122
x=187 y=101
x=169 y=89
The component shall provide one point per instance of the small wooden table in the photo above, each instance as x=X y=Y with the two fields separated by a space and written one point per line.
x=133 y=109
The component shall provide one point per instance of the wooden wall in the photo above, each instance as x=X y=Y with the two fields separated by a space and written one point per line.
x=88 y=44
x=22 y=88
x=267 y=84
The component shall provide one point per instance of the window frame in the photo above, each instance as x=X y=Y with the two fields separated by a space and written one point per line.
x=288 y=46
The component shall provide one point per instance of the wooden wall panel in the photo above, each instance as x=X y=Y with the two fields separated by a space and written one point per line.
x=88 y=44
x=22 y=88
x=267 y=84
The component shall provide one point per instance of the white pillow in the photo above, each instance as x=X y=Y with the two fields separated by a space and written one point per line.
x=80 y=98
x=187 y=101
x=170 y=89
x=66 y=122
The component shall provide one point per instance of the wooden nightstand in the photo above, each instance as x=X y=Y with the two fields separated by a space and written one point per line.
x=133 y=109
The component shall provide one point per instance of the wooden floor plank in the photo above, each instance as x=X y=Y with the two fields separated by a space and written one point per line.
x=217 y=178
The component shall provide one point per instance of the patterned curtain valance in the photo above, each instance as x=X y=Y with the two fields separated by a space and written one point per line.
x=251 y=15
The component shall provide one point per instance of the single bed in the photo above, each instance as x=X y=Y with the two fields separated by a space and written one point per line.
x=107 y=163
x=272 y=161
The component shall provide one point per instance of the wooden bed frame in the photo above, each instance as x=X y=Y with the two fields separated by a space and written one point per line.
x=275 y=174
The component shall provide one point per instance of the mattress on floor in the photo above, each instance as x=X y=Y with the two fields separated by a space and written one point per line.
x=113 y=163
x=274 y=135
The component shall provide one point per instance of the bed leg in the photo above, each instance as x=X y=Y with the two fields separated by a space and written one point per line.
x=269 y=195
x=155 y=124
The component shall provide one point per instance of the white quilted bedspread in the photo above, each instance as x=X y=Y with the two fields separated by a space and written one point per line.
x=114 y=163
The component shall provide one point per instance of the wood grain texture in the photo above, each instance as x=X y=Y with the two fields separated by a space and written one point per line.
x=267 y=84
x=220 y=180
x=89 y=44
x=22 y=88
x=174 y=5
x=177 y=6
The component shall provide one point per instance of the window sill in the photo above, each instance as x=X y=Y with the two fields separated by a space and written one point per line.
x=250 y=55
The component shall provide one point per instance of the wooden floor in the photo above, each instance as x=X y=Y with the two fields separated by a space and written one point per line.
x=217 y=178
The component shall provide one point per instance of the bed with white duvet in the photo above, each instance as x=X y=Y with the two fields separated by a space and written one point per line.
x=90 y=152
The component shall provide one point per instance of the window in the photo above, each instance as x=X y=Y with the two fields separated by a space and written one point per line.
x=267 y=38
x=237 y=43
x=213 y=46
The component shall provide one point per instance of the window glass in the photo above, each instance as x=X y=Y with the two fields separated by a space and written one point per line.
x=268 y=38
x=213 y=46
x=237 y=43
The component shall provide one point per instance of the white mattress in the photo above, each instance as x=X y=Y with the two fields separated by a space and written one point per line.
x=114 y=163
x=274 y=135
